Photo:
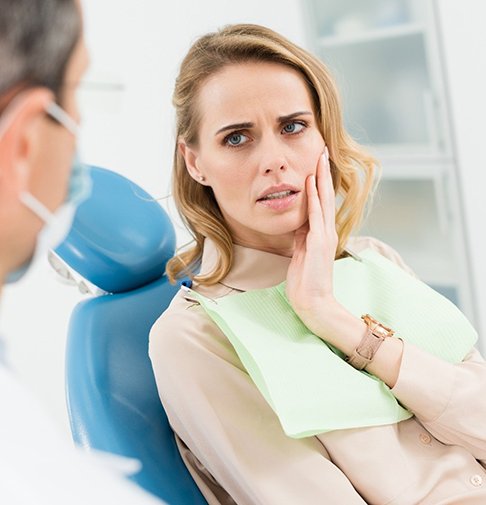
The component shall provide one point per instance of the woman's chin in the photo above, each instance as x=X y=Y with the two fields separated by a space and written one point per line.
x=288 y=224
x=284 y=228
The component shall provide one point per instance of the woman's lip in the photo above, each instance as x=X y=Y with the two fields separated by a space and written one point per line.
x=280 y=203
x=278 y=189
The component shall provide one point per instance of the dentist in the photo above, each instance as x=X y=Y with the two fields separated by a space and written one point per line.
x=42 y=60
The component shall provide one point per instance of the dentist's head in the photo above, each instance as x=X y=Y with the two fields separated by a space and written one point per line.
x=42 y=59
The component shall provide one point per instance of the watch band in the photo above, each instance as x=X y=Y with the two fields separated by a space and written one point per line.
x=365 y=351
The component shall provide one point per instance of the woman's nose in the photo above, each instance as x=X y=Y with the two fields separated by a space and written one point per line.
x=276 y=168
x=272 y=158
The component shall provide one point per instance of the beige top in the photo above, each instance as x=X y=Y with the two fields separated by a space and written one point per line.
x=234 y=446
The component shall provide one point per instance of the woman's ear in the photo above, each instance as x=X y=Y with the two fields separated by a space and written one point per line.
x=190 y=156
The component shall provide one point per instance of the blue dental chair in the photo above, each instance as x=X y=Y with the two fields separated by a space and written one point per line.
x=120 y=242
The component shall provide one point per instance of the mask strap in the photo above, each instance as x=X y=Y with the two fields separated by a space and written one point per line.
x=38 y=208
x=62 y=117
x=54 y=110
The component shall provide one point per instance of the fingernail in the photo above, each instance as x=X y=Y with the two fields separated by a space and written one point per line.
x=326 y=152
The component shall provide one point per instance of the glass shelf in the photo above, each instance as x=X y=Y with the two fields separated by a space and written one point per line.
x=396 y=167
x=333 y=18
x=382 y=34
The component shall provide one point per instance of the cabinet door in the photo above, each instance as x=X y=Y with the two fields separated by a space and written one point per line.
x=385 y=58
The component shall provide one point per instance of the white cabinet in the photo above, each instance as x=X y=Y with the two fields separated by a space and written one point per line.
x=463 y=39
x=386 y=58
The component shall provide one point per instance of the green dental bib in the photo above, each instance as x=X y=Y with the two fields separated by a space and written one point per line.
x=306 y=381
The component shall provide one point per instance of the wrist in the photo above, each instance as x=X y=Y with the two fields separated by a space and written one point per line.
x=336 y=325
x=387 y=361
x=372 y=340
x=379 y=351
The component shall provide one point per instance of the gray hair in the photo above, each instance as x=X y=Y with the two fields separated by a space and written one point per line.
x=37 y=38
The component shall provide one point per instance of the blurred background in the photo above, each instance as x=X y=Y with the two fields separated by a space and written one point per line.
x=412 y=81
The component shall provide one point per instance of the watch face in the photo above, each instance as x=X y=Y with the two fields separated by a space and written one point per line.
x=377 y=328
x=380 y=331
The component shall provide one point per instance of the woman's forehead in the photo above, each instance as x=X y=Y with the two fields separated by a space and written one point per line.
x=242 y=90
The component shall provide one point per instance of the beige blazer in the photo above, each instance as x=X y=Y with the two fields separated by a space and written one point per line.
x=232 y=442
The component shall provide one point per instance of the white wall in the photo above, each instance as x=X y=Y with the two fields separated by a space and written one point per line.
x=138 y=45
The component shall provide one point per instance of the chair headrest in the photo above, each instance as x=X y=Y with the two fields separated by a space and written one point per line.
x=121 y=238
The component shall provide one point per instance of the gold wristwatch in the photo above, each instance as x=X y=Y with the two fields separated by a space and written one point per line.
x=375 y=335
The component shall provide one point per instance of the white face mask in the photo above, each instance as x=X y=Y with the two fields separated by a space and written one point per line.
x=58 y=223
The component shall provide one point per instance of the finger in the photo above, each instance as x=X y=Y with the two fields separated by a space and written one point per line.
x=300 y=243
x=321 y=174
x=301 y=234
x=324 y=182
x=316 y=223
x=327 y=195
x=302 y=230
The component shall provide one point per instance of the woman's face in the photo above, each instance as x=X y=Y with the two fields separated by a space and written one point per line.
x=258 y=142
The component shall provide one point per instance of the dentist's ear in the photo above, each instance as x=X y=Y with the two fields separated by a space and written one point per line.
x=20 y=125
x=191 y=158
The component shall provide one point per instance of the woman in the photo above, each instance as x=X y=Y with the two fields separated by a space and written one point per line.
x=261 y=153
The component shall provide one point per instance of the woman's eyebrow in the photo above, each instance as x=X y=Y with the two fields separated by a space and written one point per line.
x=288 y=117
x=235 y=126
x=280 y=119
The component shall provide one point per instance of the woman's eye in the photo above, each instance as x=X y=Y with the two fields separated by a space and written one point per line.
x=293 y=127
x=236 y=139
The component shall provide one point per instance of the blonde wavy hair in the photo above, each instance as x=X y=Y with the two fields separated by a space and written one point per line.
x=352 y=168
